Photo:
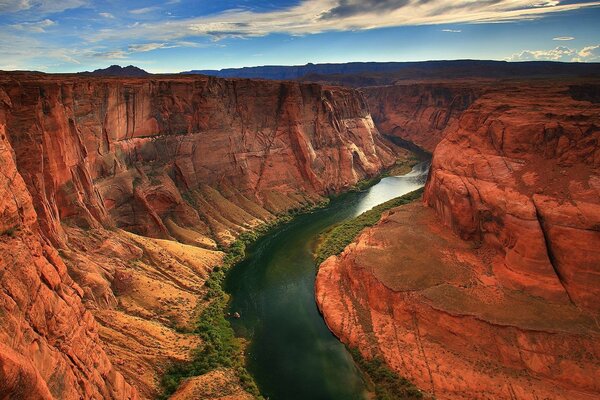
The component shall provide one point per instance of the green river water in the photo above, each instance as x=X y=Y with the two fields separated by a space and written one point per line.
x=292 y=354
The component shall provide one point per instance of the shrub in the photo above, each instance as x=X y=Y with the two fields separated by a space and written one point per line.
x=220 y=348
x=388 y=384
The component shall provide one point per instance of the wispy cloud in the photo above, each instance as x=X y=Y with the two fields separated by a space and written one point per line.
x=149 y=47
x=144 y=10
x=100 y=38
x=315 y=16
x=564 y=38
x=560 y=53
x=39 y=6
x=589 y=53
x=35 y=27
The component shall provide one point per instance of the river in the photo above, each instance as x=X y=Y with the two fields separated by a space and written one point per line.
x=291 y=353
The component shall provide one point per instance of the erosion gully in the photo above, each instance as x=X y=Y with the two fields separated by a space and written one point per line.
x=291 y=352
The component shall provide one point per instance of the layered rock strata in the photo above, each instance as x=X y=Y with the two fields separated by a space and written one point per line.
x=489 y=288
x=420 y=112
x=115 y=195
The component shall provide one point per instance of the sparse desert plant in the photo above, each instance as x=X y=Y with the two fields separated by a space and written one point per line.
x=388 y=384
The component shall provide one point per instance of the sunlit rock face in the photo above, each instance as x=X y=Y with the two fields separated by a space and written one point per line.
x=489 y=288
x=136 y=181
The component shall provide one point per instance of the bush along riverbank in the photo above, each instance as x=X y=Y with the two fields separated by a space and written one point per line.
x=385 y=383
x=220 y=347
x=402 y=167
x=335 y=240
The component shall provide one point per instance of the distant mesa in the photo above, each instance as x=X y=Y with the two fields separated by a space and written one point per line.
x=117 y=70
x=385 y=73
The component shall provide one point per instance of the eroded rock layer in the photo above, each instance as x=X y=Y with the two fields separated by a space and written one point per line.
x=115 y=194
x=420 y=112
x=489 y=288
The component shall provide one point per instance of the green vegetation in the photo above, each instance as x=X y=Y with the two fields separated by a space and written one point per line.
x=335 y=240
x=388 y=385
x=137 y=181
x=221 y=349
x=10 y=232
x=401 y=167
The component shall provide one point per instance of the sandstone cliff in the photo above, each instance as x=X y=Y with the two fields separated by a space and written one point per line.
x=135 y=182
x=491 y=291
x=420 y=112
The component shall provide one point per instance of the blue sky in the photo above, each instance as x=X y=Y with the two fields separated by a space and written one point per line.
x=178 y=35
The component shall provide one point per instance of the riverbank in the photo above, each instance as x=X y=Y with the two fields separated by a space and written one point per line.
x=385 y=383
x=335 y=240
x=221 y=348
x=291 y=353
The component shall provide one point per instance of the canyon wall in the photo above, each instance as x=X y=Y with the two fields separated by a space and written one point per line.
x=115 y=196
x=420 y=112
x=489 y=288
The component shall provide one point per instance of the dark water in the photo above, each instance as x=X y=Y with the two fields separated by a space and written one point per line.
x=292 y=354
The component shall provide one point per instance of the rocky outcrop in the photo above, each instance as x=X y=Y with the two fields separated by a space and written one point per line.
x=527 y=182
x=411 y=292
x=420 y=112
x=134 y=182
x=49 y=342
x=487 y=290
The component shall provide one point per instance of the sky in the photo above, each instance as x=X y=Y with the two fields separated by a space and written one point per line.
x=180 y=35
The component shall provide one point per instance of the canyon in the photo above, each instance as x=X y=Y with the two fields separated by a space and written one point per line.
x=118 y=198
x=487 y=288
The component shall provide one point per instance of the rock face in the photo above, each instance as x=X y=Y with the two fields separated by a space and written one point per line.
x=489 y=288
x=420 y=112
x=49 y=346
x=135 y=181
x=527 y=182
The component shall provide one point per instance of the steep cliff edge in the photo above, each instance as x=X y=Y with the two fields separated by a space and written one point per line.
x=420 y=112
x=488 y=289
x=135 y=182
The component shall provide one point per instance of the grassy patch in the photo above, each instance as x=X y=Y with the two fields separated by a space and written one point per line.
x=388 y=385
x=335 y=240
x=220 y=348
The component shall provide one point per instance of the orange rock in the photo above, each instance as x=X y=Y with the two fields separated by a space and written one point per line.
x=410 y=291
x=508 y=307
x=519 y=186
x=420 y=112
x=188 y=158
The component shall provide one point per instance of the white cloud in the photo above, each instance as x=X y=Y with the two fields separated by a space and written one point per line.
x=560 y=53
x=35 y=27
x=143 y=10
x=452 y=30
x=315 y=16
x=589 y=54
x=111 y=55
x=149 y=47
x=40 y=6
x=564 y=38
x=106 y=15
